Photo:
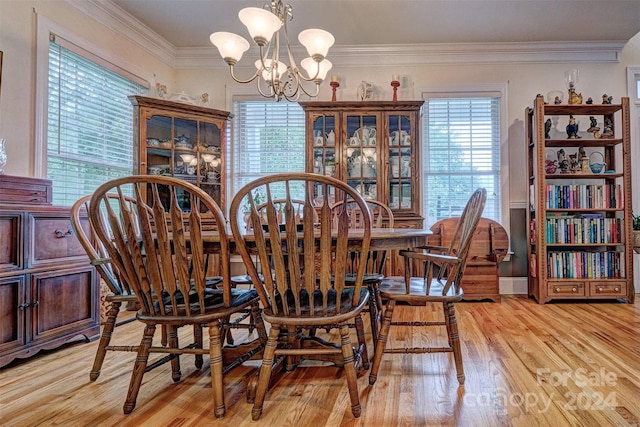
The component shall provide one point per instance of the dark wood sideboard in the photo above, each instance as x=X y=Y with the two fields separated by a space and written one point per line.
x=49 y=292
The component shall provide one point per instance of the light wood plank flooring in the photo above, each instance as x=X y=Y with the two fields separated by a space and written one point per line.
x=526 y=365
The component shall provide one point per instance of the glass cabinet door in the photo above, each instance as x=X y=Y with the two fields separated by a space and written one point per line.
x=210 y=164
x=400 y=165
x=362 y=157
x=324 y=148
x=190 y=150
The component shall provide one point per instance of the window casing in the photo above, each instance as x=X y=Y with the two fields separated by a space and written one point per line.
x=461 y=152
x=89 y=124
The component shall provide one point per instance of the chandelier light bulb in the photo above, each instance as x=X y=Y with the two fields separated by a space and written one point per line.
x=268 y=73
x=311 y=67
x=231 y=46
x=317 y=42
x=261 y=24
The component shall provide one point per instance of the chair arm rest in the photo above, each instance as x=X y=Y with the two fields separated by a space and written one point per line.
x=432 y=248
x=100 y=261
x=428 y=257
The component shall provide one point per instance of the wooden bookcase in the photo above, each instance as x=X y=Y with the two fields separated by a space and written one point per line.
x=580 y=242
x=184 y=141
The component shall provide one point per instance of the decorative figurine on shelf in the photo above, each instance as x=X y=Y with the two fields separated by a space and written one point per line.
x=161 y=90
x=575 y=163
x=364 y=91
x=570 y=79
x=563 y=162
x=557 y=100
x=607 y=132
x=590 y=101
x=204 y=99
x=606 y=99
x=572 y=129
x=547 y=128
x=594 y=125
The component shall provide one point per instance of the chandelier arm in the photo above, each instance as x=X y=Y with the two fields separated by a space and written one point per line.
x=310 y=94
x=314 y=78
x=233 y=76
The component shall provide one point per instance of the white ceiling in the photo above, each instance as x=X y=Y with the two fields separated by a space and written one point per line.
x=188 y=23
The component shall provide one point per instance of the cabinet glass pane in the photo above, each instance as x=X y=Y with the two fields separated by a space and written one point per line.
x=159 y=131
x=185 y=133
x=400 y=164
x=324 y=141
x=324 y=161
x=209 y=138
x=362 y=154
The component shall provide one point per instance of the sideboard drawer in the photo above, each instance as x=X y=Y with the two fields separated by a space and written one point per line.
x=53 y=239
x=566 y=289
x=24 y=190
x=607 y=289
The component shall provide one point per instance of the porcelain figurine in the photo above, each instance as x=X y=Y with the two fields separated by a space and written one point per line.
x=572 y=129
x=547 y=128
x=594 y=125
x=606 y=99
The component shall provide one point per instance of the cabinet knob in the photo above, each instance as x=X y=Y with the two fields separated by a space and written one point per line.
x=23 y=306
x=616 y=289
x=574 y=289
x=600 y=289
x=61 y=234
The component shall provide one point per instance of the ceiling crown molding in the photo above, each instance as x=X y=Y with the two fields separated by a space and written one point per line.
x=120 y=21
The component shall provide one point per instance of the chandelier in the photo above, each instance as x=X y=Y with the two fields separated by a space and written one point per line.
x=274 y=78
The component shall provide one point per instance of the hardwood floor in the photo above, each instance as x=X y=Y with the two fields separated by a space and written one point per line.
x=526 y=365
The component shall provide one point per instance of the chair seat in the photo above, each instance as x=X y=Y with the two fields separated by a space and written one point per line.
x=347 y=311
x=395 y=288
x=368 y=278
x=213 y=301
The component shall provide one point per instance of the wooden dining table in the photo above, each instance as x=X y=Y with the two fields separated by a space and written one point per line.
x=381 y=239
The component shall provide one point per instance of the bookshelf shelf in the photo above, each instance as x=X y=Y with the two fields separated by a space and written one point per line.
x=580 y=239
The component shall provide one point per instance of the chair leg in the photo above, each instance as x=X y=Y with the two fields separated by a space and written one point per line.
x=362 y=341
x=138 y=368
x=350 y=369
x=374 y=313
x=265 y=372
x=172 y=342
x=163 y=339
x=455 y=340
x=382 y=341
x=215 y=353
x=105 y=339
x=256 y=318
x=197 y=339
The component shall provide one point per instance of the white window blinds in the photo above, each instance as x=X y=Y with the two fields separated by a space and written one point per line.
x=89 y=125
x=461 y=153
x=268 y=137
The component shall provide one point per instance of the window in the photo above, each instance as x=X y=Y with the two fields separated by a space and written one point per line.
x=461 y=149
x=89 y=123
x=268 y=138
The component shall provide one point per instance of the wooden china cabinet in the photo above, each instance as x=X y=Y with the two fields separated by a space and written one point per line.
x=374 y=146
x=184 y=141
